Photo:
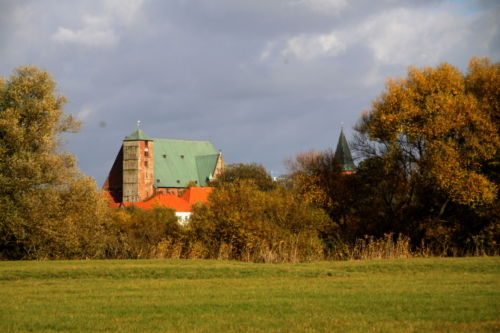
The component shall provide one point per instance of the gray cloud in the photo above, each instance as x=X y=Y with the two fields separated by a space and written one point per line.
x=261 y=79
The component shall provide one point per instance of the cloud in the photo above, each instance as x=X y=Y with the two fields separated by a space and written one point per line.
x=96 y=32
x=128 y=12
x=403 y=36
x=308 y=47
x=324 y=6
x=85 y=113
x=101 y=30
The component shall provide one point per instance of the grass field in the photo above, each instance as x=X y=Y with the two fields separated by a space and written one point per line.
x=405 y=295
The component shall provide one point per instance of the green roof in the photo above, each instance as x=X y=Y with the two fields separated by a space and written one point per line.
x=177 y=162
x=138 y=135
x=206 y=166
x=343 y=154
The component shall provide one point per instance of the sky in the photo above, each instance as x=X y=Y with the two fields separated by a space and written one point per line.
x=261 y=79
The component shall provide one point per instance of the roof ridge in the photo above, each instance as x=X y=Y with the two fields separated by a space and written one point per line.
x=181 y=140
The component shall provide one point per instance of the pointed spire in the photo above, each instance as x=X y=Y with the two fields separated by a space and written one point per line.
x=343 y=153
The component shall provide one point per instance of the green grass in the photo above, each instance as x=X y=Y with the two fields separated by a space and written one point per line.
x=405 y=295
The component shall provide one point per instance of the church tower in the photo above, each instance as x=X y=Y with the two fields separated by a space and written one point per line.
x=343 y=155
x=138 y=167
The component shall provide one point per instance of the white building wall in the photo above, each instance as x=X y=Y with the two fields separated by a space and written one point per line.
x=183 y=217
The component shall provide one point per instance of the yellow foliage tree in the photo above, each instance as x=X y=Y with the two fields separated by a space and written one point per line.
x=242 y=222
x=437 y=125
x=316 y=177
x=48 y=209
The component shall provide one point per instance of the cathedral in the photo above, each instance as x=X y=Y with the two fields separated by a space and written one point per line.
x=146 y=167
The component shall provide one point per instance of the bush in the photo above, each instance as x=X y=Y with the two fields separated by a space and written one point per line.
x=243 y=223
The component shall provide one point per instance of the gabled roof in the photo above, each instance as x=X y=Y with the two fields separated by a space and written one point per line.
x=343 y=154
x=177 y=162
x=172 y=201
x=138 y=135
x=195 y=194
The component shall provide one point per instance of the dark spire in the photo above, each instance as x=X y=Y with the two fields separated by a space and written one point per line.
x=343 y=154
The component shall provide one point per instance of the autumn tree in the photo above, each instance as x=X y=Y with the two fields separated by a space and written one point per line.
x=243 y=222
x=138 y=234
x=316 y=177
x=437 y=126
x=482 y=81
x=48 y=209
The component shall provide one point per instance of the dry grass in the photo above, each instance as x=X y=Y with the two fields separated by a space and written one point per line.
x=303 y=249
x=383 y=248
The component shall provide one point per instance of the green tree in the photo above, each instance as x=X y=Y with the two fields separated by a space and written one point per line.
x=48 y=209
x=234 y=173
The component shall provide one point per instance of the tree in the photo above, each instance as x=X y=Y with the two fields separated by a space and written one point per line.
x=242 y=222
x=431 y=144
x=437 y=130
x=483 y=81
x=45 y=202
x=238 y=172
x=138 y=234
x=384 y=197
x=316 y=177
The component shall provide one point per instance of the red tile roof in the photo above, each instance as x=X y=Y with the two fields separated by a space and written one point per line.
x=195 y=194
x=179 y=204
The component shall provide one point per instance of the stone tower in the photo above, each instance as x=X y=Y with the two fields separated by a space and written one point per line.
x=138 y=167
